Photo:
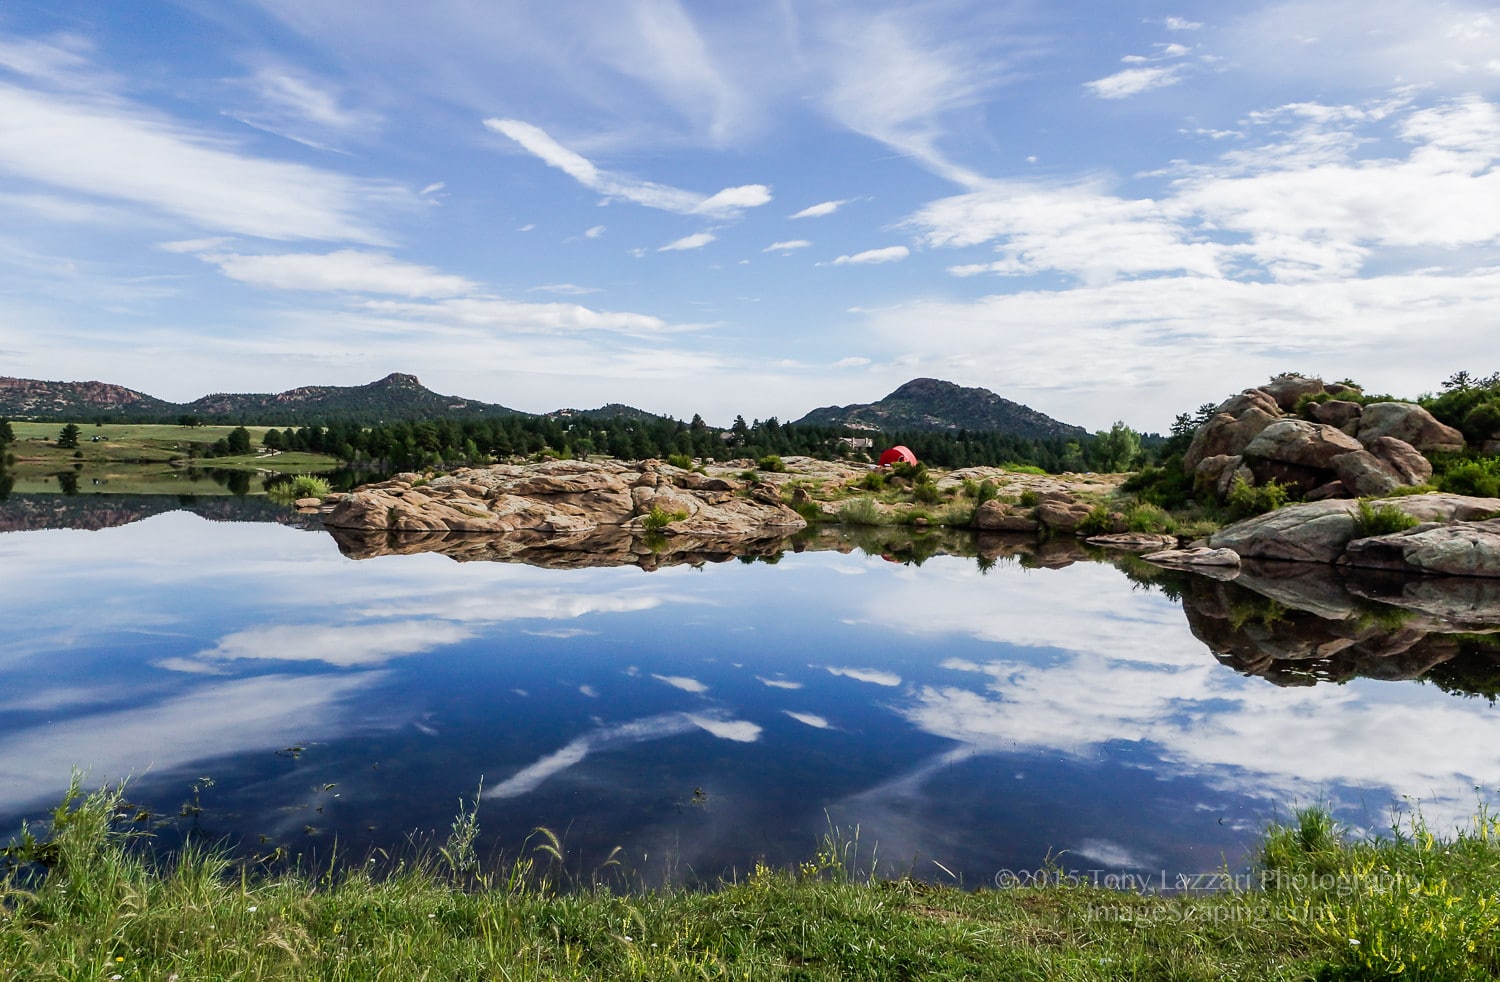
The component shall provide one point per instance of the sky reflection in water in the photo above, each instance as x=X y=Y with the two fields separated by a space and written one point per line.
x=981 y=721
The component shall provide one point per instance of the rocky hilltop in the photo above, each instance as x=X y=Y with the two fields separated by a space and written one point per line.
x=396 y=397
x=36 y=399
x=932 y=404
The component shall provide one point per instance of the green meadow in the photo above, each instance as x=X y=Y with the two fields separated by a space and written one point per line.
x=84 y=899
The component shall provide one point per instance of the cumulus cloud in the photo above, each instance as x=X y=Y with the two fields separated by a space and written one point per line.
x=722 y=204
x=890 y=254
x=695 y=241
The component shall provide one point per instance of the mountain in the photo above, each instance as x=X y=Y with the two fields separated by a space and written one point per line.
x=395 y=397
x=26 y=398
x=932 y=404
x=613 y=410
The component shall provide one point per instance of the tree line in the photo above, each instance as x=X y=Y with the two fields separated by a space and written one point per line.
x=453 y=442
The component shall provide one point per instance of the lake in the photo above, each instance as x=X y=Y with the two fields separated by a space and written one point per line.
x=969 y=714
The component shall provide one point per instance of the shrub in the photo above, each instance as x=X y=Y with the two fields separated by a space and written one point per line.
x=1246 y=499
x=1380 y=519
x=862 y=511
x=1143 y=516
x=1096 y=522
x=873 y=481
x=301 y=486
x=1022 y=468
x=1167 y=485
x=988 y=491
x=657 y=519
x=915 y=473
x=772 y=463
x=1030 y=499
x=1480 y=478
x=926 y=492
x=681 y=460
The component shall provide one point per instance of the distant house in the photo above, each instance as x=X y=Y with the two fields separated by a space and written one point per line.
x=857 y=442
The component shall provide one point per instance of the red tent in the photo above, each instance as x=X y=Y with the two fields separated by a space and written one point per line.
x=897 y=455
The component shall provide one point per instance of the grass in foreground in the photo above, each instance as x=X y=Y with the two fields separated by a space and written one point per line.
x=1411 y=907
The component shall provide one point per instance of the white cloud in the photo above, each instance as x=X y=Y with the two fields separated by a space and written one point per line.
x=567 y=289
x=343 y=645
x=116 y=150
x=495 y=314
x=787 y=246
x=695 y=241
x=1181 y=24
x=724 y=204
x=874 y=676
x=1133 y=81
x=737 y=730
x=300 y=107
x=682 y=682
x=346 y=270
x=594 y=233
x=853 y=361
x=779 y=683
x=810 y=719
x=890 y=254
x=819 y=210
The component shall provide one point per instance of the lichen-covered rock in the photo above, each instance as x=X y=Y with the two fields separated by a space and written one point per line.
x=1409 y=422
x=1319 y=531
x=996 y=516
x=1256 y=398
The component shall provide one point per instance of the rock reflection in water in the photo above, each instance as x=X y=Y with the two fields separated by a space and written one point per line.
x=1302 y=623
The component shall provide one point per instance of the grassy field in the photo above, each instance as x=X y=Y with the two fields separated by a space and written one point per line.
x=1319 y=907
x=140 y=458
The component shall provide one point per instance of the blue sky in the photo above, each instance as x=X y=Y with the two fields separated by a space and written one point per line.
x=1105 y=210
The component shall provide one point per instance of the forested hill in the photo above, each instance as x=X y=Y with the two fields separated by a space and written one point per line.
x=932 y=404
x=395 y=397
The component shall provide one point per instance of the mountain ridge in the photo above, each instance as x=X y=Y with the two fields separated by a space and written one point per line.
x=935 y=405
x=920 y=404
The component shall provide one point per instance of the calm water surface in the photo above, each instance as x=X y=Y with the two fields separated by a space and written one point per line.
x=699 y=717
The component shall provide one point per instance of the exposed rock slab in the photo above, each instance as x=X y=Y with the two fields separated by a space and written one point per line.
x=1320 y=531
x=1410 y=423
x=566 y=497
x=1197 y=556
x=1458 y=549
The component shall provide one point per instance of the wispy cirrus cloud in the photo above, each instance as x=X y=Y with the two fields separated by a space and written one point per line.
x=819 y=210
x=344 y=271
x=695 y=241
x=722 y=204
x=787 y=246
x=102 y=146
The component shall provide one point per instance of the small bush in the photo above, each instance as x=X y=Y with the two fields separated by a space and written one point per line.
x=862 y=511
x=1030 y=499
x=772 y=463
x=1167 y=485
x=1096 y=522
x=680 y=460
x=1022 y=468
x=873 y=481
x=657 y=519
x=915 y=473
x=926 y=492
x=1144 y=516
x=988 y=491
x=1380 y=519
x=301 y=486
x=1480 y=478
x=1246 y=499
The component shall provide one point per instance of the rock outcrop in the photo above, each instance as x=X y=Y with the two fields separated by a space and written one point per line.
x=1323 y=531
x=1343 y=449
x=567 y=497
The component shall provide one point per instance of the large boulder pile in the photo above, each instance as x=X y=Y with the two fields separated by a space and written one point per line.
x=1344 y=450
x=567 y=497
